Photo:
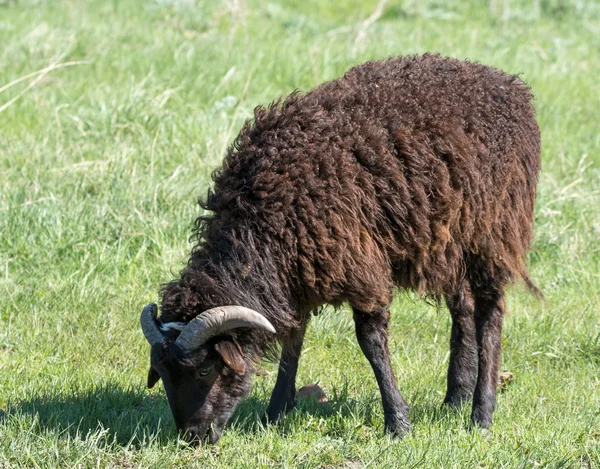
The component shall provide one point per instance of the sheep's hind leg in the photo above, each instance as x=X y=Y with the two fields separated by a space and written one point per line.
x=489 y=314
x=283 y=397
x=462 y=368
x=371 y=332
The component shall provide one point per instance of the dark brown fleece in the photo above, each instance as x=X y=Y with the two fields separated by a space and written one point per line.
x=417 y=172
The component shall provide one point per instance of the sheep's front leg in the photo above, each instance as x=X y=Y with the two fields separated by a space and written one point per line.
x=462 y=369
x=283 y=398
x=489 y=313
x=371 y=331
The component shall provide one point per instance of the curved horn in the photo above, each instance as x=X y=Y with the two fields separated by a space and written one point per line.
x=149 y=327
x=217 y=320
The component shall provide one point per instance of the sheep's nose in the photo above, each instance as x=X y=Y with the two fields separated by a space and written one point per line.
x=192 y=436
x=196 y=436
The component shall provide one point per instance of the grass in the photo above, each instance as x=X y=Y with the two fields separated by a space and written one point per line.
x=104 y=152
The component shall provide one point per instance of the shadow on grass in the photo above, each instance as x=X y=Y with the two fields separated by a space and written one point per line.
x=249 y=415
x=136 y=417
x=122 y=416
x=342 y=413
x=432 y=413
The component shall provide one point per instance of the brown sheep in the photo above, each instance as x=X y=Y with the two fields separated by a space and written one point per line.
x=414 y=173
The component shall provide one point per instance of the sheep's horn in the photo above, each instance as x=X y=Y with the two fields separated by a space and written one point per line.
x=217 y=320
x=149 y=327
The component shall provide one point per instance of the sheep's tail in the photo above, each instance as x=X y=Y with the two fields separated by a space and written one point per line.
x=533 y=288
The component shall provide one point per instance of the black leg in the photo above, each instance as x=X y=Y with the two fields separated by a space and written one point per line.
x=462 y=369
x=283 y=397
x=371 y=331
x=489 y=313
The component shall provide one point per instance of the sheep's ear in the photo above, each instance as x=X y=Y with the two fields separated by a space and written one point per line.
x=232 y=355
x=153 y=377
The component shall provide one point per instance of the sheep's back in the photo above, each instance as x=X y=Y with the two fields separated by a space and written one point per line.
x=404 y=172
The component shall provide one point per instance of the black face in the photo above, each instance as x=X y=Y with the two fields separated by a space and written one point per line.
x=203 y=389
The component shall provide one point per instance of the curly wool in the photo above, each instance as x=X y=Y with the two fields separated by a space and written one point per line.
x=415 y=172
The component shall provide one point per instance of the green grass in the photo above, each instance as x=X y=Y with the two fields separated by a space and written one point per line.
x=100 y=166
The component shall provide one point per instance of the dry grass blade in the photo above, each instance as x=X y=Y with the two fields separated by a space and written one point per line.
x=39 y=74
x=362 y=32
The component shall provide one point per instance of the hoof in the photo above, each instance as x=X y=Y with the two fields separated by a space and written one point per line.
x=397 y=424
x=457 y=400
x=276 y=416
x=273 y=419
x=481 y=419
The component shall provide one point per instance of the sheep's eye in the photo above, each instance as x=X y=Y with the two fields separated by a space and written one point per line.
x=204 y=371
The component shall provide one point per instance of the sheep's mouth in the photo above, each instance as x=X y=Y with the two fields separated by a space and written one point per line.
x=195 y=436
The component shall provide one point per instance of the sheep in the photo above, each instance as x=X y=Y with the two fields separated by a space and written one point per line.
x=414 y=173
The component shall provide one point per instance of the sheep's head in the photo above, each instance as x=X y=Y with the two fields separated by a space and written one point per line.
x=203 y=369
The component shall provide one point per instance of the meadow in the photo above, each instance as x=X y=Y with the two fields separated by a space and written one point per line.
x=113 y=115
